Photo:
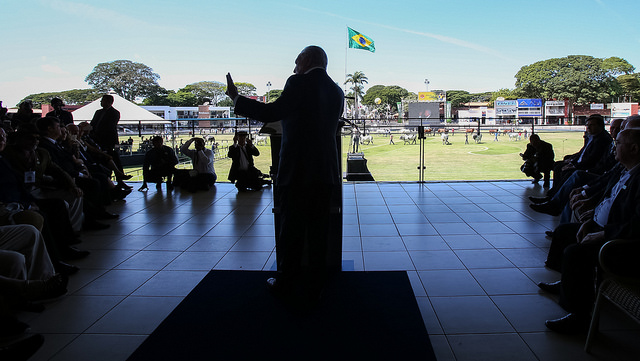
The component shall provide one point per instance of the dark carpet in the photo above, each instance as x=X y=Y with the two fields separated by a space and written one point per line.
x=231 y=315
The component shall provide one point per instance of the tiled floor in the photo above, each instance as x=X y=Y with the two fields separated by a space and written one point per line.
x=474 y=252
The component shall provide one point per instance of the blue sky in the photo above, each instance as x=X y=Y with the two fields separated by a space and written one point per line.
x=51 y=45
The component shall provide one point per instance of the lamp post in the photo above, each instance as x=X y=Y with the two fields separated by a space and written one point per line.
x=268 y=90
x=426 y=82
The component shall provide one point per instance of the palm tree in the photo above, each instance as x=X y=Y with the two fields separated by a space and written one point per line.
x=357 y=79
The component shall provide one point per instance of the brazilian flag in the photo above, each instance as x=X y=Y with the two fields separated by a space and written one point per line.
x=359 y=41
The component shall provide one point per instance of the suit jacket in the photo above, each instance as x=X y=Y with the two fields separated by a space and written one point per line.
x=309 y=107
x=105 y=127
x=64 y=116
x=593 y=152
x=60 y=157
x=235 y=153
x=606 y=162
x=624 y=217
x=48 y=173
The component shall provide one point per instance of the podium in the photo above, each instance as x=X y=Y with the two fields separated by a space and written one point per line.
x=357 y=168
x=334 y=243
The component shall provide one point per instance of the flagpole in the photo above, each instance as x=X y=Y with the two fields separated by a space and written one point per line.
x=344 y=83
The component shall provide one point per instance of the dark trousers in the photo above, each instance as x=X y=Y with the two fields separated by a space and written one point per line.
x=201 y=182
x=304 y=232
x=578 y=277
x=250 y=178
x=563 y=236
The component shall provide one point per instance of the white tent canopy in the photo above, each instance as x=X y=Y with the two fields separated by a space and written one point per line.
x=130 y=113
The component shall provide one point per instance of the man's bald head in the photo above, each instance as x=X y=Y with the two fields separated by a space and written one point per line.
x=311 y=57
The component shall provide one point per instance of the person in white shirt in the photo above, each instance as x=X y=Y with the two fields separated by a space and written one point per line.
x=203 y=175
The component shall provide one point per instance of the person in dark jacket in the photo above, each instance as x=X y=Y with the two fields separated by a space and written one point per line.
x=538 y=160
x=310 y=105
x=243 y=172
x=159 y=161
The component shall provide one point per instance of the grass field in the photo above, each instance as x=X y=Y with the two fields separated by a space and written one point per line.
x=488 y=160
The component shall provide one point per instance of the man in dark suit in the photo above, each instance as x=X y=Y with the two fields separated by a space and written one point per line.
x=558 y=204
x=540 y=154
x=105 y=132
x=597 y=145
x=310 y=105
x=65 y=117
x=617 y=216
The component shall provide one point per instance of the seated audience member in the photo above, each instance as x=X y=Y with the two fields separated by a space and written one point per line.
x=559 y=202
x=243 y=172
x=98 y=170
x=24 y=115
x=92 y=151
x=597 y=145
x=203 y=175
x=26 y=276
x=159 y=161
x=34 y=262
x=538 y=159
x=617 y=216
x=65 y=117
x=56 y=225
x=92 y=189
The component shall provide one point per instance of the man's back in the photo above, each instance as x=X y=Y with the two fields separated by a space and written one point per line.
x=310 y=107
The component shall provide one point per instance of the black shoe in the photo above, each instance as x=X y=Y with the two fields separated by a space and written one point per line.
x=546 y=208
x=65 y=268
x=546 y=185
x=548 y=234
x=106 y=215
x=535 y=181
x=23 y=349
x=538 y=200
x=569 y=324
x=551 y=287
x=119 y=194
x=70 y=253
x=123 y=186
x=40 y=291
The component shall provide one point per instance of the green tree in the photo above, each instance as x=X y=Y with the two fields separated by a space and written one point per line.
x=69 y=97
x=480 y=97
x=357 y=79
x=458 y=97
x=128 y=79
x=159 y=97
x=273 y=94
x=630 y=84
x=580 y=78
x=246 y=89
x=389 y=96
x=182 y=99
x=503 y=93
x=226 y=102
x=211 y=91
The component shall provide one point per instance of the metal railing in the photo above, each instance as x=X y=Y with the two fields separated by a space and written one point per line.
x=396 y=151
